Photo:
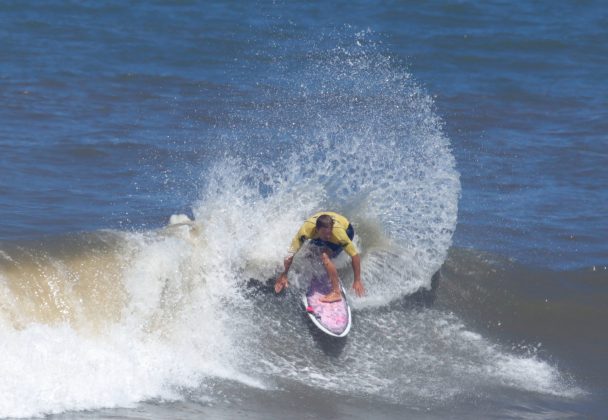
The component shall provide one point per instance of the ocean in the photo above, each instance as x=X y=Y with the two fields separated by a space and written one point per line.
x=156 y=158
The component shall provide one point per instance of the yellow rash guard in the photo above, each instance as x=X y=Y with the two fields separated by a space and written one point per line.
x=339 y=235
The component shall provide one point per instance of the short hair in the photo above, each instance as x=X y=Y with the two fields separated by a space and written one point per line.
x=324 y=221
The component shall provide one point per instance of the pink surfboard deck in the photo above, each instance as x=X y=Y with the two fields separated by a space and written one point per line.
x=332 y=318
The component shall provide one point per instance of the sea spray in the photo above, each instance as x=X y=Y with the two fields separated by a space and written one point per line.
x=348 y=131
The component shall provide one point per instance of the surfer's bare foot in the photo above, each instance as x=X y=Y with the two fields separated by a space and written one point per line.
x=331 y=297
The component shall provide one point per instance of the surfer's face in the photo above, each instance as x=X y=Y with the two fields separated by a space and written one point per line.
x=325 y=233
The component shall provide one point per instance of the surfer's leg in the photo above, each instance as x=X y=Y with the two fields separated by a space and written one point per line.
x=335 y=294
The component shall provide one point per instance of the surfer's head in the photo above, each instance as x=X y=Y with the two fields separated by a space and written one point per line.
x=324 y=226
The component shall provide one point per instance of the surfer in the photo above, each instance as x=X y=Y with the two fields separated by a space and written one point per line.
x=332 y=233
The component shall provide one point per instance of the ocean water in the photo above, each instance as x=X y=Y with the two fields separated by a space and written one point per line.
x=157 y=157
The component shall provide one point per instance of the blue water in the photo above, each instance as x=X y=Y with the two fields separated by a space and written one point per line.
x=109 y=108
x=462 y=125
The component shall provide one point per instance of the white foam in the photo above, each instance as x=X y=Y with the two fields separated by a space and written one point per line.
x=177 y=219
x=54 y=369
x=532 y=374
x=171 y=333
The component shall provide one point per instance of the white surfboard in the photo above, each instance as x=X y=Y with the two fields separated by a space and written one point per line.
x=333 y=318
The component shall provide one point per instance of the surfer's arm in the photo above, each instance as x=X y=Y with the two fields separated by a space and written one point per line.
x=357 y=284
x=287 y=263
x=304 y=233
x=282 y=281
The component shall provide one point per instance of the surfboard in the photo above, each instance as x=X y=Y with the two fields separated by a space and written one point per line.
x=333 y=318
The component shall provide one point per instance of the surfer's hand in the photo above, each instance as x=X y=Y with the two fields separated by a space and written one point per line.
x=281 y=283
x=358 y=288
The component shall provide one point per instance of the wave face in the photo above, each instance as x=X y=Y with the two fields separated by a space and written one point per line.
x=112 y=318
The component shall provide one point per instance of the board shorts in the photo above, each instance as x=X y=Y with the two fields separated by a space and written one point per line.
x=336 y=249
